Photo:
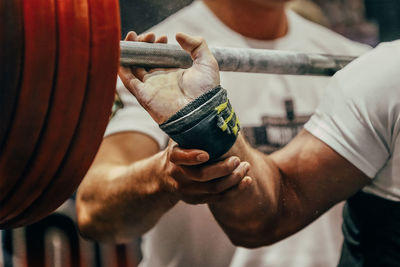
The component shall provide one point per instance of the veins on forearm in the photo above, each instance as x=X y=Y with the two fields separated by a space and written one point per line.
x=127 y=202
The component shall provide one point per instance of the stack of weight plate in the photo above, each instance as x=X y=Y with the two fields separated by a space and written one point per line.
x=58 y=69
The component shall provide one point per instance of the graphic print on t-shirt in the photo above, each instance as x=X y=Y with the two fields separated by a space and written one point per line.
x=275 y=132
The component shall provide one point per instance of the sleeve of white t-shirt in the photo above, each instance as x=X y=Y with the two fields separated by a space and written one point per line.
x=133 y=117
x=359 y=116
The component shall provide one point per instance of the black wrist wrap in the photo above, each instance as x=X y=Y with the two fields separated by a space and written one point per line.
x=208 y=123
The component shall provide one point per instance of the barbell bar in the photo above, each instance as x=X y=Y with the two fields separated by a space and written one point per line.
x=152 y=55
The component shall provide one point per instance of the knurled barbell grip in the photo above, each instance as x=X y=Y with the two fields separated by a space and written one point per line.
x=152 y=55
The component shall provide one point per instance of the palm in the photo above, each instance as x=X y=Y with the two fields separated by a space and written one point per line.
x=163 y=92
x=166 y=92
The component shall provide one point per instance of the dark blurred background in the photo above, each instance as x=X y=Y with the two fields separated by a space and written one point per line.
x=368 y=21
x=387 y=15
x=139 y=15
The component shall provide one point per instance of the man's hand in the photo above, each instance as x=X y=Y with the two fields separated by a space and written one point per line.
x=162 y=92
x=196 y=182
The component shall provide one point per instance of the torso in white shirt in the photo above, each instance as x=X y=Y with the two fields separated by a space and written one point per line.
x=360 y=118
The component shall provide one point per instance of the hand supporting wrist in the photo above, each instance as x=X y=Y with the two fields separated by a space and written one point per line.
x=208 y=123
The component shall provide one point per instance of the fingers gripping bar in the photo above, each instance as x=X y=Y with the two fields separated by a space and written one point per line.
x=152 y=55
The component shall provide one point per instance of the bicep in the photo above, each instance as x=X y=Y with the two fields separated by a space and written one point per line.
x=319 y=176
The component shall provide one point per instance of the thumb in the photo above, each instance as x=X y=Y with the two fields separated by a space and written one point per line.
x=188 y=157
x=197 y=48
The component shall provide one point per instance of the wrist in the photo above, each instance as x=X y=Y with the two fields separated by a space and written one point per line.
x=239 y=148
x=208 y=123
x=167 y=185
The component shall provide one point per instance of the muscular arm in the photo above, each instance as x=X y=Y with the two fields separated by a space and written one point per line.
x=123 y=194
x=288 y=190
x=307 y=177
x=130 y=186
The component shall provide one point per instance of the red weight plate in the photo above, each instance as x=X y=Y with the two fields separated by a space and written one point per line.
x=65 y=107
x=11 y=53
x=35 y=92
x=104 y=62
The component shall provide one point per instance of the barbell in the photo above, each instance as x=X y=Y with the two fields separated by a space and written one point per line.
x=58 y=69
x=151 y=55
x=56 y=104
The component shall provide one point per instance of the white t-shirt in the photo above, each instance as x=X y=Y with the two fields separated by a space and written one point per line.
x=189 y=235
x=360 y=118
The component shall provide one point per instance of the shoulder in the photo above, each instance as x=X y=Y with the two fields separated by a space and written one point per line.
x=368 y=88
x=374 y=74
x=360 y=111
x=372 y=84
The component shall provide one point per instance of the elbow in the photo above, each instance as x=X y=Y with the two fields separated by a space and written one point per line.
x=252 y=242
x=93 y=226
x=96 y=222
x=254 y=235
x=94 y=213
x=92 y=229
x=89 y=228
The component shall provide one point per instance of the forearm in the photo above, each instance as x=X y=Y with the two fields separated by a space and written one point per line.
x=117 y=203
x=289 y=189
x=244 y=213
